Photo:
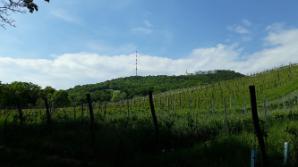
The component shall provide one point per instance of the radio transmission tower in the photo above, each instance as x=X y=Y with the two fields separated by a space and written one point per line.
x=136 y=63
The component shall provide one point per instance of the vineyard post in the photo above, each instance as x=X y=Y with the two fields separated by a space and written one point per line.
x=144 y=102
x=212 y=102
x=290 y=108
x=90 y=112
x=168 y=105
x=266 y=115
x=82 y=111
x=253 y=158
x=101 y=107
x=180 y=101
x=154 y=118
x=230 y=103
x=128 y=110
x=91 y=118
x=286 y=152
x=65 y=116
x=225 y=116
x=48 y=114
x=21 y=115
x=255 y=117
x=52 y=107
x=278 y=78
x=173 y=104
x=160 y=105
x=5 y=126
x=290 y=71
x=74 y=112
x=36 y=117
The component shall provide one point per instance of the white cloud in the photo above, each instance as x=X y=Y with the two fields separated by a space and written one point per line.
x=242 y=28
x=239 y=29
x=145 y=28
x=68 y=70
x=65 y=16
x=101 y=47
x=142 y=30
x=148 y=23
x=275 y=27
x=246 y=23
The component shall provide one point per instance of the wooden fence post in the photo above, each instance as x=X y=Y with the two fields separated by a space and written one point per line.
x=128 y=111
x=253 y=158
x=74 y=112
x=82 y=111
x=21 y=115
x=255 y=117
x=286 y=152
x=90 y=111
x=154 y=118
x=48 y=114
x=92 y=126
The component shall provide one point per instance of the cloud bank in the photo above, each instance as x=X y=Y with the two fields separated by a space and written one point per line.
x=68 y=70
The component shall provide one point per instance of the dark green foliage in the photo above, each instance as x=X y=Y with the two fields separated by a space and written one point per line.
x=29 y=4
x=29 y=95
x=139 y=86
x=19 y=93
x=60 y=98
x=15 y=6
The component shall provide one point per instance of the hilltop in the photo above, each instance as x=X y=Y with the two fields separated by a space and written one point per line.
x=128 y=87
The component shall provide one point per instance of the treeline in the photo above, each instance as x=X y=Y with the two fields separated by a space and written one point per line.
x=29 y=95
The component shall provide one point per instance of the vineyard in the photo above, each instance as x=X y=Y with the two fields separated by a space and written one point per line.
x=208 y=125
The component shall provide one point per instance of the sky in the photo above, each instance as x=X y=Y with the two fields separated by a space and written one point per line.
x=75 y=42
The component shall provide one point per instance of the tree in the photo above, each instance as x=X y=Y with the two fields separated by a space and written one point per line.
x=15 y=6
x=22 y=94
x=101 y=95
x=48 y=93
x=118 y=95
x=61 y=99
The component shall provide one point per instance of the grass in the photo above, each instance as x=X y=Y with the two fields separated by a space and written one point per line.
x=209 y=142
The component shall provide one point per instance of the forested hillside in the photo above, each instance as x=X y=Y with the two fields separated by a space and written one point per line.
x=26 y=95
x=121 y=88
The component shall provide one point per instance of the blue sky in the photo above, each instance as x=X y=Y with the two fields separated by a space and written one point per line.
x=170 y=32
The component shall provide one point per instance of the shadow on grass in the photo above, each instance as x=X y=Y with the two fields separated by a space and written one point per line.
x=71 y=144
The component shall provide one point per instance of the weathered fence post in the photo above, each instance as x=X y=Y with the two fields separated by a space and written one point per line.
x=258 y=130
x=286 y=152
x=92 y=126
x=90 y=111
x=253 y=158
x=82 y=111
x=48 y=114
x=154 y=118
x=74 y=112
x=21 y=115
x=128 y=110
x=226 y=124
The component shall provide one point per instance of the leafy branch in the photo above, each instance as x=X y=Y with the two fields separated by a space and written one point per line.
x=7 y=7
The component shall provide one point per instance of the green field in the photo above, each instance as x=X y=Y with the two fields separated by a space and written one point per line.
x=208 y=125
